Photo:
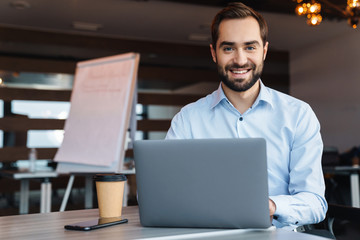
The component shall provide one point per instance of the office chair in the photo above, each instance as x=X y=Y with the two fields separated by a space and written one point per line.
x=341 y=222
x=344 y=221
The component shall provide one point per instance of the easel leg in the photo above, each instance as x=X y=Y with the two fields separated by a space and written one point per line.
x=24 y=196
x=67 y=193
x=88 y=192
x=45 y=203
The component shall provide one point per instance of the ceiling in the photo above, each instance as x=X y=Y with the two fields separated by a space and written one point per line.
x=275 y=6
x=165 y=21
x=168 y=21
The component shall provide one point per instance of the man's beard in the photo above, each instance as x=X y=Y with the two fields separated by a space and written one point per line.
x=240 y=84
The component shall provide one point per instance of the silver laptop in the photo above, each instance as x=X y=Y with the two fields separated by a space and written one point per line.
x=207 y=183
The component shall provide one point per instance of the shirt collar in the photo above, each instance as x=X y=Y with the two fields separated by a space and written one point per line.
x=219 y=95
x=264 y=95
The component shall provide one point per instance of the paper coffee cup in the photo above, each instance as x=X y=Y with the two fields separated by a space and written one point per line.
x=110 y=194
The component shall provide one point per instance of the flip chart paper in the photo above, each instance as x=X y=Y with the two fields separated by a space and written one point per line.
x=101 y=104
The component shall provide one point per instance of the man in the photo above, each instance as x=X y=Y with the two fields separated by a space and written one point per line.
x=243 y=107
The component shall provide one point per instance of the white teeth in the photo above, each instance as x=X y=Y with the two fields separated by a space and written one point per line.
x=239 y=72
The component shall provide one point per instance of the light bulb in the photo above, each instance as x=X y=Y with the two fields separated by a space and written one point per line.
x=353 y=3
x=314 y=19
x=315 y=7
x=301 y=9
x=353 y=22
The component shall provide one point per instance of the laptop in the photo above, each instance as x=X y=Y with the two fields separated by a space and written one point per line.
x=202 y=183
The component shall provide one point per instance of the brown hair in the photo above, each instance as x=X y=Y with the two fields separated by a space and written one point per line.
x=235 y=11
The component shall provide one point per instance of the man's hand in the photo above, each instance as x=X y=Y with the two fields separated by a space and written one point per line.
x=272 y=208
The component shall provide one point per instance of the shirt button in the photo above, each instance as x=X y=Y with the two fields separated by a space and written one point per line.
x=241 y=118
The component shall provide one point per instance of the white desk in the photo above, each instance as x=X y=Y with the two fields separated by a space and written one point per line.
x=51 y=226
x=24 y=176
x=353 y=172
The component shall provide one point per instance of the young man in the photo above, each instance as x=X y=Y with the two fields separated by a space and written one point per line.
x=243 y=107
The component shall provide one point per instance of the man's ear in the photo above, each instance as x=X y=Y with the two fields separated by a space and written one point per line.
x=213 y=53
x=266 y=49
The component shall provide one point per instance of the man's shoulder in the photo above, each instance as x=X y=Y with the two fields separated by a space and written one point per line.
x=285 y=100
x=202 y=104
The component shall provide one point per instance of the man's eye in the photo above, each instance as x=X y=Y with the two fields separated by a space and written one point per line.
x=250 y=48
x=228 y=49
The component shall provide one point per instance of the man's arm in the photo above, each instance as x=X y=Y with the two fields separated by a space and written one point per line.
x=306 y=203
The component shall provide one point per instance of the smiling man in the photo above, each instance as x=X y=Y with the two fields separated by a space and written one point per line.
x=243 y=107
x=239 y=52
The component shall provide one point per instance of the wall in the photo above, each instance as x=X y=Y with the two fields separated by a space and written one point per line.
x=327 y=76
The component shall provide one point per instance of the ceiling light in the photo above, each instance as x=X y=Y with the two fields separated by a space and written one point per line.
x=20 y=5
x=311 y=9
x=353 y=3
x=301 y=9
x=87 y=26
x=314 y=19
x=353 y=10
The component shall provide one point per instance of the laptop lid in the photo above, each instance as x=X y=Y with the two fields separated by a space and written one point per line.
x=208 y=183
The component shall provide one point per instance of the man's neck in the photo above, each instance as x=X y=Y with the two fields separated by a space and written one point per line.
x=242 y=101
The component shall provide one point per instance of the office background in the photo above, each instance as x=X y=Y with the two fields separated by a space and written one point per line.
x=41 y=41
x=322 y=60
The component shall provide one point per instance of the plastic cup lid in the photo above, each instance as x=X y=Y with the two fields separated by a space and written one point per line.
x=110 y=177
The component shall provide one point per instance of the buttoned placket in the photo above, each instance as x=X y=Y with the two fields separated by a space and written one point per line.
x=240 y=123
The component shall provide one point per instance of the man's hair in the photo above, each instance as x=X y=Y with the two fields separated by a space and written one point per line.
x=237 y=11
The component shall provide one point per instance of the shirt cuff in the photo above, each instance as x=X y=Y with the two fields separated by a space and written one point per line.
x=282 y=210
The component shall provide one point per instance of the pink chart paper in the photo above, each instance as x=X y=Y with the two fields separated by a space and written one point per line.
x=101 y=102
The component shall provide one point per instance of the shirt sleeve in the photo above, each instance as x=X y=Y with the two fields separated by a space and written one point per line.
x=177 y=128
x=306 y=203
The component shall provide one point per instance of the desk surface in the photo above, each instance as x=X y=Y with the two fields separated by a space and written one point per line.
x=25 y=174
x=339 y=169
x=46 y=173
x=51 y=226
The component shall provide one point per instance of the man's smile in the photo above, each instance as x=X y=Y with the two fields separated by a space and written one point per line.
x=239 y=71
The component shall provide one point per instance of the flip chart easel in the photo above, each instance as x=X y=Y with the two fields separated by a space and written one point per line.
x=102 y=117
x=102 y=101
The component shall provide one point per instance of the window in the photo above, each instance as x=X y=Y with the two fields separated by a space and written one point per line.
x=47 y=110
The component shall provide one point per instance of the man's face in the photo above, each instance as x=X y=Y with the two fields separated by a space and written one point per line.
x=240 y=53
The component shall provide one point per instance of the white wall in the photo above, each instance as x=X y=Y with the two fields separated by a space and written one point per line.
x=327 y=76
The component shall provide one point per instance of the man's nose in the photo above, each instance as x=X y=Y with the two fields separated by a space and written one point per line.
x=240 y=58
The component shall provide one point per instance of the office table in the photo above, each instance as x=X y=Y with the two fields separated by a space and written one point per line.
x=24 y=176
x=51 y=226
x=353 y=172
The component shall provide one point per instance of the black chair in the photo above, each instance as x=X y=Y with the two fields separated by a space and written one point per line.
x=341 y=222
x=344 y=221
